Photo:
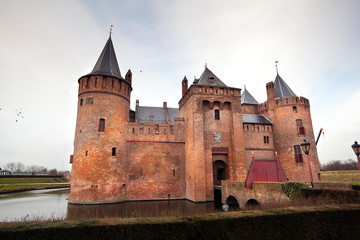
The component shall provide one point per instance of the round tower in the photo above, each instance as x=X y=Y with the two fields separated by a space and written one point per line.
x=292 y=124
x=99 y=160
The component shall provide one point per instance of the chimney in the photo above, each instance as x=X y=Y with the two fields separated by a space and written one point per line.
x=165 y=105
x=128 y=76
x=184 y=85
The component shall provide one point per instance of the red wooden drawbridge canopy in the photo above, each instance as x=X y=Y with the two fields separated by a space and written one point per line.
x=265 y=170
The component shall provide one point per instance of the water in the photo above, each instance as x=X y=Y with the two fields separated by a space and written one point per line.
x=53 y=204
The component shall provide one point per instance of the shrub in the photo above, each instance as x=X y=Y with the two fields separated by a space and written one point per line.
x=292 y=189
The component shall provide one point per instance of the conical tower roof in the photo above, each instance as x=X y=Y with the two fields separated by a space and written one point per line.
x=107 y=64
x=247 y=98
x=282 y=89
x=208 y=78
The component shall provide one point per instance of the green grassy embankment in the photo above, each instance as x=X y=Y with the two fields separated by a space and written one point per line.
x=346 y=176
x=8 y=185
x=306 y=222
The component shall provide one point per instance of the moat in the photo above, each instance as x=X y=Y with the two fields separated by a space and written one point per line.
x=53 y=204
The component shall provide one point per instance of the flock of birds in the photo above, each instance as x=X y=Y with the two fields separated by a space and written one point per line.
x=19 y=114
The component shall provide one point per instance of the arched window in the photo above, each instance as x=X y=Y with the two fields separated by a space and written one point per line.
x=217 y=114
x=300 y=127
x=113 y=152
x=101 y=125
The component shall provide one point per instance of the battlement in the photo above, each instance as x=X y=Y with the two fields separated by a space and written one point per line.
x=105 y=84
x=156 y=132
x=251 y=127
x=209 y=91
x=277 y=102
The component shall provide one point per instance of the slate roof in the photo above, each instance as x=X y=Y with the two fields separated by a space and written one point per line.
x=208 y=78
x=107 y=64
x=282 y=89
x=247 y=98
x=256 y=119
x=156 y=115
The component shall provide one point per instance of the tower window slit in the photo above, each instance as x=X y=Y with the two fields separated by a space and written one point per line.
x=217 y=114
x=113 y=152
x=101 y=125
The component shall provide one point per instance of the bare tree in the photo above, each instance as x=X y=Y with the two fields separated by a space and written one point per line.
x=20 y=167
x=53 y=171
x=11 y=166
x=348 y=164
x=36 y=169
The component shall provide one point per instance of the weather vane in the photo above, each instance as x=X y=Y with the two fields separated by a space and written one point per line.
x=111 y=26
x=276 y=65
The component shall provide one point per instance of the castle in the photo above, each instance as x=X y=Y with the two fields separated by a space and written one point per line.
x=156 y=153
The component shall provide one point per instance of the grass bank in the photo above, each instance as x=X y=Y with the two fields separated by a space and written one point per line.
x=345 y=176
x=315 y=222
x=31 y=180
x=9 y=185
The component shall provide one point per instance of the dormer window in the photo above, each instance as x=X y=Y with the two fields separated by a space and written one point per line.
x=211 y=79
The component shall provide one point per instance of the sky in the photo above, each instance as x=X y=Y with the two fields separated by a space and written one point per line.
x=45 y=46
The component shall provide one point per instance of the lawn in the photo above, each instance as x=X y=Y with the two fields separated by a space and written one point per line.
x=30 y=180
x=344 y=176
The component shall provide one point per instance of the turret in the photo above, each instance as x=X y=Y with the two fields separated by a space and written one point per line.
x=99 y=160
x=292 y=123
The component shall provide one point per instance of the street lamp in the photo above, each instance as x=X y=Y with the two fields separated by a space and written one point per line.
x=306 y=148
x=356 y=148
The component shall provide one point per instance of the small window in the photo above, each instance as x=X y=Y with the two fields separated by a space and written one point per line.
x=217 y=114
x=266 y=139
x=81 y=102
x=89 y=100
x=300 y=127
x=173 y=172
x=298 y=155
x=101 y=125
x=112 y=84
x=294 y=109
x=86 y=153
x=95 y=81
x=113 y=153
x=133 y=130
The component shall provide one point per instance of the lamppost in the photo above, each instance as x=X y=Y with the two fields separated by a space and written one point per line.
x=356 y=148
x=306 y=148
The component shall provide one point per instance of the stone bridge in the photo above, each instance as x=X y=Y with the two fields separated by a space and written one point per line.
x=261 y=193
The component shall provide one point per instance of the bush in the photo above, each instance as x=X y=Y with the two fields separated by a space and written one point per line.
x=292 y=189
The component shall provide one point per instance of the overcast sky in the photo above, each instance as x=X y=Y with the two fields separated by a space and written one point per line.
x=45 y=46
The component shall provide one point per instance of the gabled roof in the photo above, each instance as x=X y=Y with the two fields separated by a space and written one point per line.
x=256 y=119
x=247 y=98
x=208 y=78
x=156 y=115
x=107 y=64
x=282 y=89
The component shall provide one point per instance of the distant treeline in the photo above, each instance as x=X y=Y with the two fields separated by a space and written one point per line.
x=348 y=164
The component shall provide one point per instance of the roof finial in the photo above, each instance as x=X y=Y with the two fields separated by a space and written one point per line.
x=111 y=26
x=276 y=65
x=205 y=65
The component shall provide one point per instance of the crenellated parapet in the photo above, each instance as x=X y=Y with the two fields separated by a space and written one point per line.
x=151 y=132
x=106 y=84
x=209 y=92
x=286 y=101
